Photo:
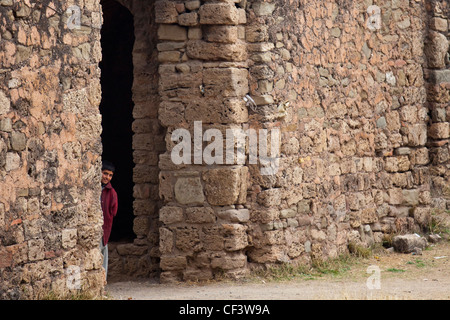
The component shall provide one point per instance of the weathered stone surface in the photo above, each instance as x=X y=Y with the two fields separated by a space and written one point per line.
x=5 y=104
x=228 y=262
x=264 y=8
x=172 y=32
x=229 y=82
x=436 y=49
x=173 y=263
x=439 y=76
x=226 y=186
x=234 y=215
x=169 y=215
x=219 y=13
x=166 y=12
x=439 y=130
x=214 y=51
x=407 y=243
x=200 y=215
x=235 y=237
x=189 y=191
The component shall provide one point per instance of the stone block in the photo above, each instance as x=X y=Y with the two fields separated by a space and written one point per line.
x=440 y=130
x=219 y=13
x=6 y=258
x=188 y=19
x=68 y=238
x=235 y=237
x=213 y=51
x=165 y=12
x=411 y=197
x=420 y=156
x=229 y=262
x=439 y=76
x=264 y=8
x=256 y=33
x=318 y=235
x=213 y=110
x=368 y=215
x=395 y=196
x=228 y=82
x=262 y=72
x=169 y=215
x=439 y=24
x=269 y=197
x=172 y=32
x=171 y=113
x=18 y=141
x=187 y=239
x=266 y=216
x=304 y=207
x=212 y=238
x=141 y=226
x=234 y=215
x=195 y=33
x=145 y=174
x=192 y=5
x=166 y=241
x=189 y=190
x=226 y=186
x=288 y=213
x=36 y=249
x=436 y=49
x=222 y=34
x=126 y=249
x=417 y=134
x=407 y=243
x=12 y=161
x=5 y=104
x=169 y=263
x=200 y=215
x=422 y=215
x=190 y=82
x=169 y=56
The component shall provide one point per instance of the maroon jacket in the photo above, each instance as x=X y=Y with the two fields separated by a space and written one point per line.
x=109 y=207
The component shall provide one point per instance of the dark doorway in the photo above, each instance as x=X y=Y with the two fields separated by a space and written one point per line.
x=117 y=40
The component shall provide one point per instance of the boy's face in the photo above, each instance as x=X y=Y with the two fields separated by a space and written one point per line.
x=107 y=176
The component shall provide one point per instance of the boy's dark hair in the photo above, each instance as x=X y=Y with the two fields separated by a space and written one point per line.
x=107 y=165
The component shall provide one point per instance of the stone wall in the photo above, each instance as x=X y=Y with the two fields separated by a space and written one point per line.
x=203 y=77
x=50 y=217
x=344 y=82
x=354 y=150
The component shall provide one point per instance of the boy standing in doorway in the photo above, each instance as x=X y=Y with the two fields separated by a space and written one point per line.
x=109 y=203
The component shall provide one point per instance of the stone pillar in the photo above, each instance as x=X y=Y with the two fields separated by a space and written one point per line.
x=203 y=79
x=437 y=74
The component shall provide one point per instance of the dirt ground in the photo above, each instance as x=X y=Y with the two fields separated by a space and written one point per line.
x=383 y=276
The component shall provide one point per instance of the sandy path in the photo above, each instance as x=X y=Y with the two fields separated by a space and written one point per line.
x=401 y=276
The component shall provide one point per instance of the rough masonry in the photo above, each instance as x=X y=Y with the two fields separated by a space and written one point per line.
x=359 y=91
